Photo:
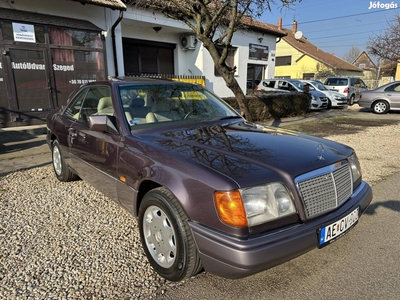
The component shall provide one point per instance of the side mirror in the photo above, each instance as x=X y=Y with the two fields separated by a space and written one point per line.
x=103 y=123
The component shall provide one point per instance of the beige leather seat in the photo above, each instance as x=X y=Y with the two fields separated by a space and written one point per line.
x=162 y=111
x=137 y=108
x=105 y=106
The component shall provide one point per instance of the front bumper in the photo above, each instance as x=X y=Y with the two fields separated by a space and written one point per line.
x=339 y=103
x=232 y=257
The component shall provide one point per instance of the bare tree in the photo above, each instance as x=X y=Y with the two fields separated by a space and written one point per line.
x=352 y=54
x=214 y=22
x=386 y=45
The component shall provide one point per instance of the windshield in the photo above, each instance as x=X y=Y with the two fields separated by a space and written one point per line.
x=319 y=85
x=298 y=84
x=157 y=104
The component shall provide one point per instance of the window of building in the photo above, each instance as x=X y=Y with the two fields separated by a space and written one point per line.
x=283 y=61
x=230 y=60
x=147 y=57
x=69 y=37
x=308 y=76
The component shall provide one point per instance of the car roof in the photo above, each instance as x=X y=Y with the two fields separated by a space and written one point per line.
x=139 y=81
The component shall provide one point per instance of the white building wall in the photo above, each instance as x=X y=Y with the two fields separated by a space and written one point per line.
x=138 y=24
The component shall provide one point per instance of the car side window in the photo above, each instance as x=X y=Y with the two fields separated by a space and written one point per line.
x=393 y=88
x=269 y=83
x=74 y=108
x=94 y=100
x=282 y=85
x=291 y=88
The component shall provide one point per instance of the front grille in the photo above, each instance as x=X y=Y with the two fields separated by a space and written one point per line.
x=325 y=189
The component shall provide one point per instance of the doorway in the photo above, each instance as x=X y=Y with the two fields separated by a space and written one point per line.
x=28 y=87
x=255 y=73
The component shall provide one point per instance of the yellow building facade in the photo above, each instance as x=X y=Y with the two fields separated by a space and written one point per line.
x=298 y=58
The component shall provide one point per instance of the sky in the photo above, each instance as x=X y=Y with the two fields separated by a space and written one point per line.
x=336 y=25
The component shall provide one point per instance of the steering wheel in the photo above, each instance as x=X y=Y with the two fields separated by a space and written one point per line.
x=188 y=114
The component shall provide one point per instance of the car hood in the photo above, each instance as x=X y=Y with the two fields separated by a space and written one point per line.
x=246 y=152
x=317 y=93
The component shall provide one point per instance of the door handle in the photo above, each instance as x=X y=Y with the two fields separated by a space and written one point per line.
x=72 y=132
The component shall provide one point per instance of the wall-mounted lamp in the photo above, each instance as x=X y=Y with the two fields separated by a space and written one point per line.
x=157 y=29
x=104 y=33
x=260 y=39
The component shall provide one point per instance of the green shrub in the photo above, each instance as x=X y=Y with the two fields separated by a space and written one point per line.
x=272 y=105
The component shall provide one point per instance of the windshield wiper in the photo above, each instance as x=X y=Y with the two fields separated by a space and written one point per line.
x=228 y=117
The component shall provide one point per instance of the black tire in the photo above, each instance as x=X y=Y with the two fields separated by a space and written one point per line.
x=62 y=171
x=166 y=236
x=329 y=104
x=351 y=100
x=380 y=107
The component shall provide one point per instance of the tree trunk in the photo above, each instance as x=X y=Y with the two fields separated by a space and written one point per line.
x=228 y=74
x=240 y=97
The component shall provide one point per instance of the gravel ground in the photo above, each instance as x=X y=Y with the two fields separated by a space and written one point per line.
x=68 y=241
x=377 y=149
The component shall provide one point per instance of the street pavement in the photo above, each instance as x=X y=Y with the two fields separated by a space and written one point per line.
x=23 y=148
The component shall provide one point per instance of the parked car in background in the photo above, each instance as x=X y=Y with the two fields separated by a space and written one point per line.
x=208 y=189
x=335 y=99
x=382 y=99
x=318 y=99
x=351 y=87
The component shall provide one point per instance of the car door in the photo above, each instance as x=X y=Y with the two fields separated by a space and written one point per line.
x=94 y=154
x=392 y=93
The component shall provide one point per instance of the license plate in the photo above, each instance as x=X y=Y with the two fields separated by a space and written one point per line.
x=332 y=232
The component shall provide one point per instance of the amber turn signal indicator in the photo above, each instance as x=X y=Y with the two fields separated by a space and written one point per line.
x=230 y=208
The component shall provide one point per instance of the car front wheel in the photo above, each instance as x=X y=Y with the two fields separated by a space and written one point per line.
x=380 y=107
x=63 y=173
x=166 y=236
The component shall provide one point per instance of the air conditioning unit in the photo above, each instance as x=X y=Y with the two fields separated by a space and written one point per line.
x=188 y=42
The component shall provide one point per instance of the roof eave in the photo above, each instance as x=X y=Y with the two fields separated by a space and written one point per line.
x=116 y=4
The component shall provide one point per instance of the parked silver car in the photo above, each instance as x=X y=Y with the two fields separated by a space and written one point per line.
x=318 y=99
x=351 y=87
x=382 y=99
x=335 y=99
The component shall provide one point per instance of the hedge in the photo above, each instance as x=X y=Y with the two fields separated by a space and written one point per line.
x=272 y=105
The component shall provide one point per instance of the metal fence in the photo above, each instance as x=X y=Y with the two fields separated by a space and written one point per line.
x=197 y=79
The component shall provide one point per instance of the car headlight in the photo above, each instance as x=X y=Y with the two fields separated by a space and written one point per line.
x=255 y=205
x=355 y=167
